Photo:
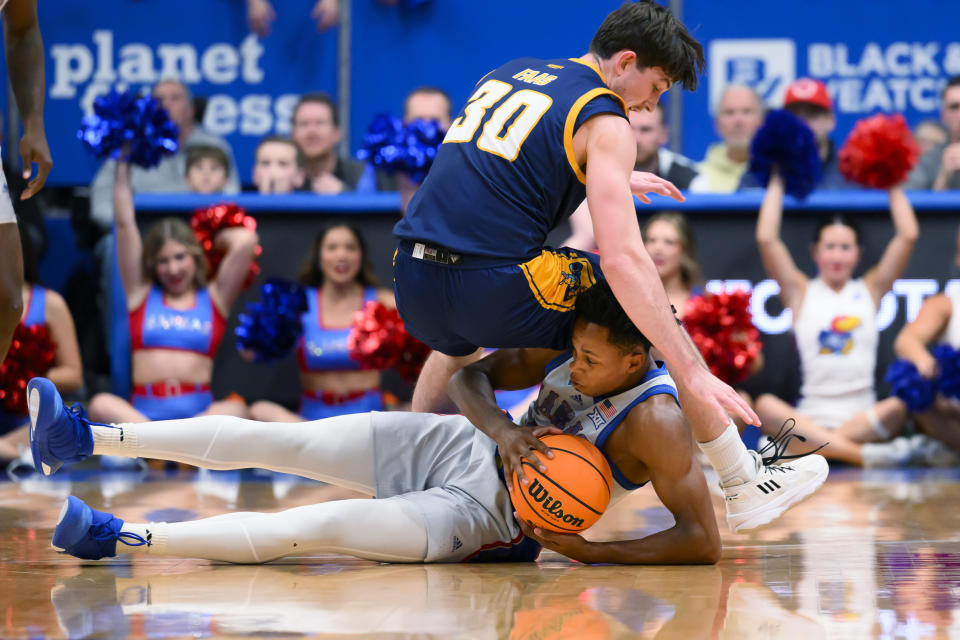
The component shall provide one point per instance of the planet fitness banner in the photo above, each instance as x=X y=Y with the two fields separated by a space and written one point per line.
x=874 y=56
x=251 y=84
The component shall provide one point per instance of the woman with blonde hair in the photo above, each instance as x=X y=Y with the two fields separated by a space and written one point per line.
x=177 y=318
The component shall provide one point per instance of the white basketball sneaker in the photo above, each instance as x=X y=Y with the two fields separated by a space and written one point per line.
x=776 y=487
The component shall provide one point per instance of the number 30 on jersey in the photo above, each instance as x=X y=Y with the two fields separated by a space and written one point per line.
x=493 y=138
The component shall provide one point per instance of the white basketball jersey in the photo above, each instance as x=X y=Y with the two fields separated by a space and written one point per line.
x=561 y=405
x=837 y=338
x=951 y=335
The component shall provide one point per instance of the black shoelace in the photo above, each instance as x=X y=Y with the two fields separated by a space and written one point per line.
x=780 y=442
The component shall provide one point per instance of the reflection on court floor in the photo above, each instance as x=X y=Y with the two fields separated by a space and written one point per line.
x=870 y=555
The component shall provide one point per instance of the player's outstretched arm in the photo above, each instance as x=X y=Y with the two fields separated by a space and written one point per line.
x=472 y=389
x=634 y=279
x=656 y=434
x=24 y=49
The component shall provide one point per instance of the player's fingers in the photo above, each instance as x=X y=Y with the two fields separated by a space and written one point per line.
x=537 y=462
x=644 y=199
x=741 y=409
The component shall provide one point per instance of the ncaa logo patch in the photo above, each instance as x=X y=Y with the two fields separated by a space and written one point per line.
x=765 y=65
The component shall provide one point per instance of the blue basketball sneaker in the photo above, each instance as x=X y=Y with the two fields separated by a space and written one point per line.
x=58 y=435
x=90 y=534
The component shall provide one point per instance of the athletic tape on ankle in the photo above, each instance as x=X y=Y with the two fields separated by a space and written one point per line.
x=876 y=425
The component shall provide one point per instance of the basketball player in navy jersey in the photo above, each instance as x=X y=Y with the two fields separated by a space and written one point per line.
x=24 y=50
x=442 y=499
x=535 y=138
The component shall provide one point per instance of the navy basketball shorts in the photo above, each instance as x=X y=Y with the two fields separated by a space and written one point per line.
x=457 y=303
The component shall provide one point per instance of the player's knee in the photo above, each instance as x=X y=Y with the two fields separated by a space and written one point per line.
x=11 y=310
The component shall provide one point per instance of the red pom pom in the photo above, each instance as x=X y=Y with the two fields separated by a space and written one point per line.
x=206 y=223
x=31 y=354
x=879 y=152
x=379 y=340
x=722 y=328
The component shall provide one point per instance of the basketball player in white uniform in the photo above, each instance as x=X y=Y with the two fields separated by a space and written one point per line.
x=836 y=331
x=440 y=499
x=24 y=51
x=938 y=322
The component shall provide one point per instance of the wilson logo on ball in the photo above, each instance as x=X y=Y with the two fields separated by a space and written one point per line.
x=551 y=505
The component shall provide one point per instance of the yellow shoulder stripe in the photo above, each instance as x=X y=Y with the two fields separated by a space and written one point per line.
x=572 y=121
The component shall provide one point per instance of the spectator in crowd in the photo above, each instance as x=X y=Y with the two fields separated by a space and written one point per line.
x=651 y=133
x=41 y=306
x=834 y=318
x=340 y=281
x=939 y=168
x=428 y=103
x=316 y=130
x=423 y=103
x=177 y=319
x=170 y=174
x=208 y=169
x=938 y=322
x=930 y=134
x=739 y=115
x=278 y=166
x=260 y=15
x=809 y=100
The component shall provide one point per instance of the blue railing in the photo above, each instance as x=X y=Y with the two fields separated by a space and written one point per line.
x=390 y=202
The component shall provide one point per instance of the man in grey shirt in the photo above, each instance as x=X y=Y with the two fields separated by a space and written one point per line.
x=169 y=175
x=939 y=168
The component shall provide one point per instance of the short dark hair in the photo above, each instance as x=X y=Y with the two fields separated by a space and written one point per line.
x=840 y=219
x=428 y=90
x=318 y=97
x=301 y=161
x=599 y=306
x=197 y=152
x=657 y=37
x=953 y=81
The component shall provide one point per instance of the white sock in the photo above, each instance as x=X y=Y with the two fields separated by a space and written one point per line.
x=728 y=455
x=155 y=533
x=119 y=440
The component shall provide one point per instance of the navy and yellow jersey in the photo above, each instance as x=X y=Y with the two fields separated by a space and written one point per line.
x=506 y=174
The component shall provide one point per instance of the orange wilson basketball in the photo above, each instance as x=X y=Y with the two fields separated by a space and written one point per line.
x=572 y=493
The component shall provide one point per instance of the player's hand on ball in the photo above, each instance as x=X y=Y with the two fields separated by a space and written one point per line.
x=571 y=545
x=523 y=442
x=642 y=183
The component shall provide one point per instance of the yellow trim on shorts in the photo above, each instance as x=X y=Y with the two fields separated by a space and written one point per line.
x=549 y=276
x=572 y=120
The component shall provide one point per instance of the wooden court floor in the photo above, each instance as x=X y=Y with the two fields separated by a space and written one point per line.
x=871 y=555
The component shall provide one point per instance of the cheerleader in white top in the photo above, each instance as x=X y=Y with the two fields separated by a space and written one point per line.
x=938 y=322
x=835 y=328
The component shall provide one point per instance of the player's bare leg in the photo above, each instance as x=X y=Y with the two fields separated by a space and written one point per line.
x=430 y=394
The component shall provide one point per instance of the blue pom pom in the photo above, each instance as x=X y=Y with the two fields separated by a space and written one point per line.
x=383 y=145
x=421 y=140
x=125 y=119
x=271 y=328
x=907 y=384
x=785 y=141
x=391 y=147
x=948 y=362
